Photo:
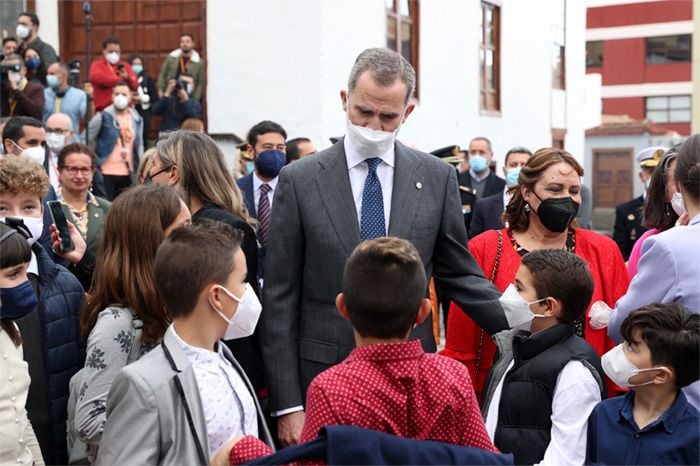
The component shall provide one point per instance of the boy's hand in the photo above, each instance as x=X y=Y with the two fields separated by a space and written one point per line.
x=221 y=458
x=289 y=428
x=76 y=254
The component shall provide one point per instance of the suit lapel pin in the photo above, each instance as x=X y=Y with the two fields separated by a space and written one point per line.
x=419 y=185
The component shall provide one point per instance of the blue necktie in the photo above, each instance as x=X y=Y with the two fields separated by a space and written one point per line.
x=372 y=216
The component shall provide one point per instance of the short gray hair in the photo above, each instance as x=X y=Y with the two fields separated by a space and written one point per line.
x=385 y=67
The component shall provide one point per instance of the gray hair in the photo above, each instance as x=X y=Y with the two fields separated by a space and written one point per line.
x=385 y=67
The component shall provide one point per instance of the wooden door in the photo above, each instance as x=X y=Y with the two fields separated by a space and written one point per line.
x=150 y=28
x=613 y=171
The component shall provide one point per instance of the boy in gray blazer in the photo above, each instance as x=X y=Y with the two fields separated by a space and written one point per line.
x=185 y=399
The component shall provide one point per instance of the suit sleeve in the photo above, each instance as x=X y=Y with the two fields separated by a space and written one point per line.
x=457 y=273
x=648 y=286
x=132 y=433
x=477 y=224
x=279 y=335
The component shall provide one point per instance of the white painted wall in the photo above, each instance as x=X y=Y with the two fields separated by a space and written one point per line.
x=289 y=63
x=47 y=11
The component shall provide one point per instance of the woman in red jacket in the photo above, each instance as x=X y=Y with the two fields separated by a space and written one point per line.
x=538 y=216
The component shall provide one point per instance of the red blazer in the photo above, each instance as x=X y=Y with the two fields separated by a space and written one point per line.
x=103 y=77
x=610 y=282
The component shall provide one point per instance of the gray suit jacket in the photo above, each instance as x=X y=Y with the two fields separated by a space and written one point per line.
x=154 y=412
x=313 y=231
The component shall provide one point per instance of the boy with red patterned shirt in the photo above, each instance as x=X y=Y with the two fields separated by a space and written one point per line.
x=388 y=383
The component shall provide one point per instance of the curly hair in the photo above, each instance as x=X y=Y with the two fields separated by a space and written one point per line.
x=18 y=174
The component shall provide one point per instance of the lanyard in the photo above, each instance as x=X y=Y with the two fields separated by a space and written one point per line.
x=59 y=100
x=12 y=101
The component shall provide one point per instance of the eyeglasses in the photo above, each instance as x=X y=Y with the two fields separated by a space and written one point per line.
x=82 y=170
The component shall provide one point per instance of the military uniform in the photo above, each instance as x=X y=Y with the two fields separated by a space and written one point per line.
x=628 y=216
x=628 y=225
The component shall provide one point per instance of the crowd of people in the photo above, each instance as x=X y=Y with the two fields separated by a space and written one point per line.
x=282 y=311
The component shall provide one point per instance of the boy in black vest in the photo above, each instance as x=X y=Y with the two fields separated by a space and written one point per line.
x=545 y=380
x=653 y=423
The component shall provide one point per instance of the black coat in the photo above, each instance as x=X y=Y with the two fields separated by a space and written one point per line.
x=494 y=185
x=487 y=214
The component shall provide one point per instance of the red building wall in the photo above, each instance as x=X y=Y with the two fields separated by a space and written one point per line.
x=624 y=60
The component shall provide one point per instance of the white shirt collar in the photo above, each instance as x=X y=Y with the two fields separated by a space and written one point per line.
x=201 y=355
x=257 y=182
x=354 y=158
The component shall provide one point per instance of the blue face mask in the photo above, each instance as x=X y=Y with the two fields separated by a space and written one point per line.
x=270 y=162
x=137 y=68
x=478 y=163
x=33 y=63
x=52 y=81
x=18 y=301
x=512 y=176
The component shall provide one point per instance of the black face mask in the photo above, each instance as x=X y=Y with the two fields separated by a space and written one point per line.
x=556 y=214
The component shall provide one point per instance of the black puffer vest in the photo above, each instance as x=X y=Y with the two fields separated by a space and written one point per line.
x=525 y=408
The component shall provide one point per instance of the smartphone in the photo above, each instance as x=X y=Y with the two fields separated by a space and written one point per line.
x=59 y=219
x=120 y=66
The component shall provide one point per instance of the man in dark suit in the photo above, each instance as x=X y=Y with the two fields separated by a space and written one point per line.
x=628 y=215
x=479 y=181
x=267 y=148
x=487 y=212
x=365 y=186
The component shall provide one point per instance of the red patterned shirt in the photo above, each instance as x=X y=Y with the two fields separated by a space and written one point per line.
x=395 y=388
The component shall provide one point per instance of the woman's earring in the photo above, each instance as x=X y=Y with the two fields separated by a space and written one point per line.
x=527 y=208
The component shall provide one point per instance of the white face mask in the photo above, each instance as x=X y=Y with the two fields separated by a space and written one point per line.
x=34 y=225
x=620 y=369
x=243 y=322
x=22 y=31
x=112 y=57
x=677 y=204
x=36 y=154
x=370 y=142
x=517 y=310
x=55 y=141
x=120 y=101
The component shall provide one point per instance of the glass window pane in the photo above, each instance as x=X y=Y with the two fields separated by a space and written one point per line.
x=668 y=49
x=391 y=33
x=656 y=103
x=594 y=53
x=658 y=116
x=403 y=7
x=679 y=116
x=390 y=5
x=489 y=15
x=406 y=49
x=679 y=101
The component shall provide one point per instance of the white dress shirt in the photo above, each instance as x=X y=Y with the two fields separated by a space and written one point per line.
x=228 y=406
x=257 y=182
x=575 y=395
x=358 y=171
x=53 y=170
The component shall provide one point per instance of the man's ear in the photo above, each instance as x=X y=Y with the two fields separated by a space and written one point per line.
x=424 y=311
x=409 y=109
x=344 y=99
x=340 y=304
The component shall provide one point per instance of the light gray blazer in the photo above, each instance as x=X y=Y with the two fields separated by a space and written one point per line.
x=154 y=412
x=314 y=229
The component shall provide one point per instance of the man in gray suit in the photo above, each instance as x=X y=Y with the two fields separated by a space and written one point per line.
x=366 y=185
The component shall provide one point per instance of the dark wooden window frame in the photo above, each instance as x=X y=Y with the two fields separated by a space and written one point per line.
x=484 y=91
x=606 y=150
x=411 y=17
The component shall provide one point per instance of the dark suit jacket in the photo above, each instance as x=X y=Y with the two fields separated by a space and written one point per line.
x=628 y=225
x=494 y=185
x=246 y=186
x=487 y=215
x=313 y=232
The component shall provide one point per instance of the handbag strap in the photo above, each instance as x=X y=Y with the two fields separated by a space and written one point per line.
x=494 y=271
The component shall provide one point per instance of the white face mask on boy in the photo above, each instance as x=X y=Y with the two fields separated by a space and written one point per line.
x=243 y=322
x=517 y=310
x=620 y=369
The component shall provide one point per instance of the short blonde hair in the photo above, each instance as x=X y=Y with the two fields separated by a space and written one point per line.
x=145 y=165
x=18 y=174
